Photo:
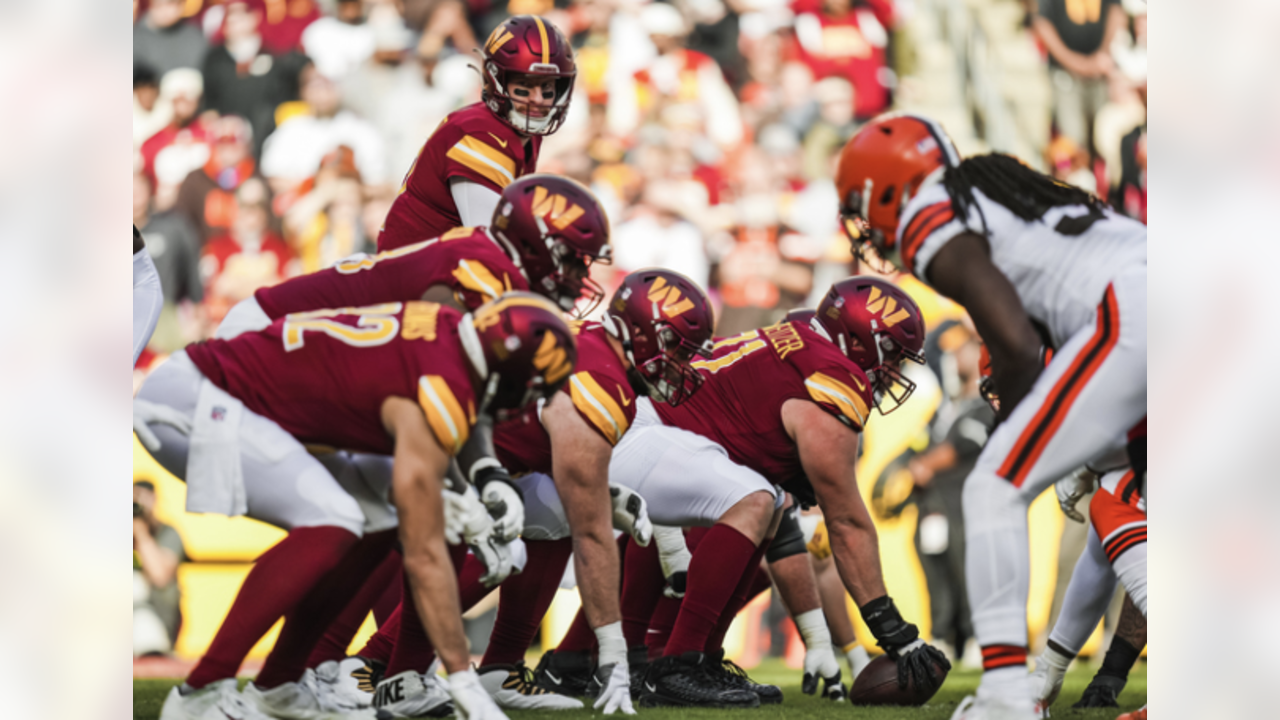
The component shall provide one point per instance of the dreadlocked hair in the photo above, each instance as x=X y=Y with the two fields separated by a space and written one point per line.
x=1006 y=180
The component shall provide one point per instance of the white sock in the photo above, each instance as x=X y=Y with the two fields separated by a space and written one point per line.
x=1131 y=568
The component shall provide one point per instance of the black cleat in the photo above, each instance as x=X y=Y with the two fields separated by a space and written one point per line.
x=1103 y=692
x=565 y=673
x=638 y=664
x=729 y=675
x=368 y=677
x=685 y=681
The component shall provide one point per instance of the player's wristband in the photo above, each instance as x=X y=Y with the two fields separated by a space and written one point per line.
x=487 y=470
x=813 y=629
x=886 y=624
x=613 y=645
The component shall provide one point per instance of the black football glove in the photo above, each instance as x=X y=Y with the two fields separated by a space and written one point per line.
x=832 y=688
x=901 y=640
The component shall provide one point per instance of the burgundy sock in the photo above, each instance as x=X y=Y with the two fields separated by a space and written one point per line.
x=525 y=599
x=306 y=623
x=279 y=580
x=642 y=584
x=383 y=642
x=715 y=572
x=337 y=638
x=580 y=638
x=413 y=650
x=754 y=582
x=660 y=625
x=389 y=600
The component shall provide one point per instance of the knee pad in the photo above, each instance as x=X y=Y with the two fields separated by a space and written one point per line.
x=790 y=538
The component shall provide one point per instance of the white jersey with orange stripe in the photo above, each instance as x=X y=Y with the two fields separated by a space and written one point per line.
x=1060 y=275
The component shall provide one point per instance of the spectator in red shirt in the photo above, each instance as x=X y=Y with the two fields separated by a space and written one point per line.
x=848 y=39
x=248 y=257
x=206 y=195
x=186 y=133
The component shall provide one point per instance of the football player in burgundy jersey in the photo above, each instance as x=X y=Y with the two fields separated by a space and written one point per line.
x=407 y=379
x=784 y=403
x=544 y=235
x=656 y=323
x=1035 y=262
x=528 y=70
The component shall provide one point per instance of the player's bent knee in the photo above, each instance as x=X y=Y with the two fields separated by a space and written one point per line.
x=788 y=541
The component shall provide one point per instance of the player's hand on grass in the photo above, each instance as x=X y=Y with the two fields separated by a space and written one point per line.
x=901 y=640
x=615 y=692
x=470 y=700
x=820 y=663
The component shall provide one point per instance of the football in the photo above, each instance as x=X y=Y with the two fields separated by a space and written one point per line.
x=877 y=684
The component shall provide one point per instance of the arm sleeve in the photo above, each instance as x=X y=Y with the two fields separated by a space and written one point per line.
x=474 y=201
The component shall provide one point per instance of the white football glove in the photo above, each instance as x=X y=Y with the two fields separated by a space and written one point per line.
x=467 y=521
x=821 y=663
x=506 y=508
x=1071 y=489
x=631 y=514
x=1046 y=679
x=470 y=701
x=148 y=412
x=674 y=556
x=615 y=691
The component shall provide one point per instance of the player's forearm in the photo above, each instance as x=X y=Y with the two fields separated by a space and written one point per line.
x=595 y=562
x=835 y=606
x=856 y=548
x=435 y=595
x=797 y=586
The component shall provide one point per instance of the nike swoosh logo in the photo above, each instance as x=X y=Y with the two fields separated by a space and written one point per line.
x=623 y=396
x=858 y=382
x=650 y=687
x=553 y=677
x=499 y=140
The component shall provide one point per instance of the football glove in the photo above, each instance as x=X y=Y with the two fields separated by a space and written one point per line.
x=614 y=684
x=505 y=507
x=674 y=556
x=470 y=700
x=148 y=412
x=1072 y=488
x=821 y=663
x=901 y=641
x=631 y=514
x=819 y=545
x=467 y=521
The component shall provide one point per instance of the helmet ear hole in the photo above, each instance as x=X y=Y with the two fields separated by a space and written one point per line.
x=887 y=196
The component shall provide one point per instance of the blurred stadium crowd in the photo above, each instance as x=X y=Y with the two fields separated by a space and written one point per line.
x=271 y=135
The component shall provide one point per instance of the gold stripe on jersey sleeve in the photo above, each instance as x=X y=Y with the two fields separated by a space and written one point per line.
x=475 y=277
x=599 y=406
x=826 y=389
x=444 y=414
x=484 y=159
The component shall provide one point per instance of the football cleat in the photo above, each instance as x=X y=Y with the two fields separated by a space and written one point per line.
x=730 y=675
x=335 y=685
x=1103 y=692
x=215 y=701
x=513 y=687
x=412 y=694
x=298 y=701
x=366 y=675
x=564 y=673
x=990 y=706
x=685 y=681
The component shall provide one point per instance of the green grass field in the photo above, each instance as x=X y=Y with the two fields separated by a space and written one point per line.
x=148 y=695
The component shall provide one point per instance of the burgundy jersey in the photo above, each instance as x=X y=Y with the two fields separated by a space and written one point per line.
x=470 y=144
x=464 y=259
x=600 y=392
x=323 y=375
x=748 y=379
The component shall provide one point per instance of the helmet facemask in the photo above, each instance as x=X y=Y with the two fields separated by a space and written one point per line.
x=874 y=250
x=890 y=388
x=569 y=282
x=668 y=374
x=503 y=104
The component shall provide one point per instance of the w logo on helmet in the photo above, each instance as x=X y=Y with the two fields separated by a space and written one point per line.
x=668 y=298
x=555 y=208
x=499 y=37
x=552 y=360
x=878 y=302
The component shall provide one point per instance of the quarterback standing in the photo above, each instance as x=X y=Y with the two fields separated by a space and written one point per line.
x=1035 y=263
x=528 y=70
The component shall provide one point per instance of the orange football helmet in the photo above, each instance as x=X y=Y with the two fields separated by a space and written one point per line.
x=881 y=168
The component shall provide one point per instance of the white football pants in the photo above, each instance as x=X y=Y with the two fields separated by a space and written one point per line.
x=148 y=298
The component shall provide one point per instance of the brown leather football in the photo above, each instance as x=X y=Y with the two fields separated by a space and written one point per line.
x=877 y=684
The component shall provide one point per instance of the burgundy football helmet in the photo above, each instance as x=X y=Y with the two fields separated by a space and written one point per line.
x=526 y=47
x=522 y=348
x=663 y=320
x=554 y=229
x=799 y=315
x=877 y=326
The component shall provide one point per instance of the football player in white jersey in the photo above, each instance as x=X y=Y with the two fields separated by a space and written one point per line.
x=1034 y=262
